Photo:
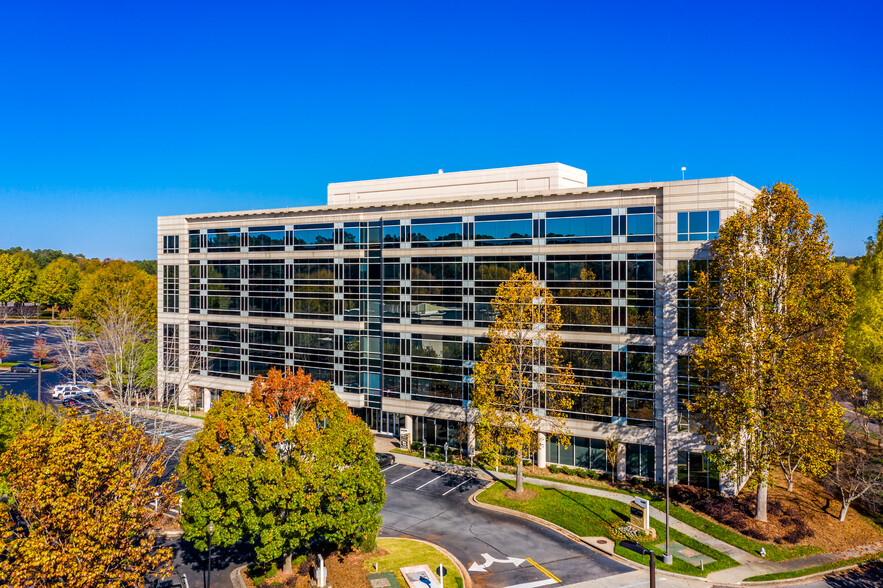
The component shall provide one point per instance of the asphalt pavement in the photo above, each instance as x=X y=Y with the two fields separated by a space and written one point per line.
x=499 y=550
x=21 y=340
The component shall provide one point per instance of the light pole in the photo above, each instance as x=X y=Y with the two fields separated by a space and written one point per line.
x=666 y=557
x=39 y=372
x=210 y=529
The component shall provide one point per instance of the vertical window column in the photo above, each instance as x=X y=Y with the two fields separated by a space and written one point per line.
x=171 y=288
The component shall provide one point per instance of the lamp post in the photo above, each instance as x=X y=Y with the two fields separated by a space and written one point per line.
x=210 y=529
x=666 y=557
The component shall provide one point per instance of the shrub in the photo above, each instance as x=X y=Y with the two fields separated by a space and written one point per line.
x=368 y=543
x=636 y=481
x=582 y=474
x=553 y=468
x=592 y=475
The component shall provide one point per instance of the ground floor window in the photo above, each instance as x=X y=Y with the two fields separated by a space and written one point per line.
x=581 y=452
x=640 y=460
x=695 y=469
x=440 y=431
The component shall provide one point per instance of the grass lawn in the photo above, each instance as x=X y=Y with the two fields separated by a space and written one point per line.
x=593 y=516
x=774 y=552
x=405 y=552
x=7 y=364
x=813 y=570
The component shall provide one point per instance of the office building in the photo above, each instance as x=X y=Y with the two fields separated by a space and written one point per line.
x=385 y=293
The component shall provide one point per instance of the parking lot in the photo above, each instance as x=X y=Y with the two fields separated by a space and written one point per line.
x=447 y=485
x=499 y=550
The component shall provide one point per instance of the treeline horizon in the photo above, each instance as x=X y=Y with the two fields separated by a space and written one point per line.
x=43 y=257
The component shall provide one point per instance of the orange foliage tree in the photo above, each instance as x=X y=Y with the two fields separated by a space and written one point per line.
x=81 y=506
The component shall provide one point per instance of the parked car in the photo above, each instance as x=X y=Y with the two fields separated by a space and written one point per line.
x=84 y=376
x=24 y=368
x=385 y=459
x=83 y=406
x=69 y=390
x=69 y=393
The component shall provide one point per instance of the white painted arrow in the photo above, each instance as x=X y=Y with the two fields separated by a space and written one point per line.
x=488 y=560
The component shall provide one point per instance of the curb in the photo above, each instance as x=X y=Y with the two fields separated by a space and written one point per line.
x=236 y=577
x=800 y=579
x=467 y=580
x=577 y=539
x=552 y=526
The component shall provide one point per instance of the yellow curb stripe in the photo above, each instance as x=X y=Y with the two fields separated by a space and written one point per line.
x=542 y=569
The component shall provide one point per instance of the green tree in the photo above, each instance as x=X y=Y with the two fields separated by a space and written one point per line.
x=111 y=281
x=57 y=284
x=521 y=385
x=286 y=467
x=18 y=413
x=777 y=311
x=864 y=336
x=18 y=274
x=82 y=508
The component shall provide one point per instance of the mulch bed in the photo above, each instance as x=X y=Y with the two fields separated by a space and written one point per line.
x=344 y=571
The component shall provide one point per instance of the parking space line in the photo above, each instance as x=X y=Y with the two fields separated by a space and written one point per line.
x=389 y=467
x=457 y=486
x=431 y=481
x=406 y=475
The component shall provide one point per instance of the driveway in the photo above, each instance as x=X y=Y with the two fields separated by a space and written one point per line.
x=500 y=551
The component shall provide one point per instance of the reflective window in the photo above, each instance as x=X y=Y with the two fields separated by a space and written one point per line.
x=640 y=460
x=436 y=232
x=699 y=225
x=392 y=234
x=691 y=323
x=223 y=240
x=170 y=244
x=266 y=238
x=351 y=235
x=514 y=229
x=170 y=288
x=639 y=225
x=586 y=226
x=313 y=236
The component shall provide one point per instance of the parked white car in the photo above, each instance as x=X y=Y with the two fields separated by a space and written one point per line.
x=67 y=390
x=64 y=395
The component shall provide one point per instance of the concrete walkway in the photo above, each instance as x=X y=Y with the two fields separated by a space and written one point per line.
x=749 y=564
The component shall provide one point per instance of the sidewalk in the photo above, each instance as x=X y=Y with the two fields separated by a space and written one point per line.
x=749 y=564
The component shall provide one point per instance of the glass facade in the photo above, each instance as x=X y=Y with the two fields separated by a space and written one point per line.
x=695 y=469
x=698 y=225
x=581 y=452
x=610 y=293
x=690 y=323
x=640 y=460
x=392 y=310
x=170 y=288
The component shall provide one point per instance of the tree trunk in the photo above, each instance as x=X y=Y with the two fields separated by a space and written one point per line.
x=286 y=567
x=760 y=510
x=843 y=508
x=791 y=484
x=519 y=473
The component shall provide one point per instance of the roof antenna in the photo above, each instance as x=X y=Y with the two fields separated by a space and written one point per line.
x=441 y=171
x=683 y=172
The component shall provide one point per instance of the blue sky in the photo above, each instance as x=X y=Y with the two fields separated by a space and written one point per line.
x=112 y=114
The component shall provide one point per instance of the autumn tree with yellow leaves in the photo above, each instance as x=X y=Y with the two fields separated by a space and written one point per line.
x=84 y=499
x=774 y=351
x=521 y=385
